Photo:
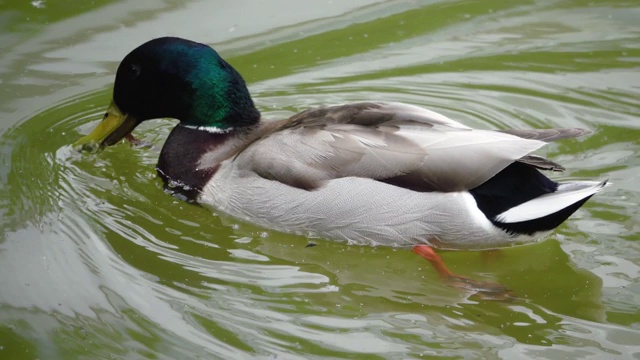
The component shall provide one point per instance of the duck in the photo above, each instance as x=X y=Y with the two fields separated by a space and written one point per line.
x=369 y=173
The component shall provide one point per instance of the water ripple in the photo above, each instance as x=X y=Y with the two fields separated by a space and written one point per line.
x=103 y=261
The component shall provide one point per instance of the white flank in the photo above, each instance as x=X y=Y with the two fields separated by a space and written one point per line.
x=547 y=204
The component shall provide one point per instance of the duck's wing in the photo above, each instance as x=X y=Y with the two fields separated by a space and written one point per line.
x=548 y=135
x=395 y=143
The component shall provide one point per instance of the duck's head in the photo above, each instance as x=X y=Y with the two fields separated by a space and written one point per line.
x=174 y=78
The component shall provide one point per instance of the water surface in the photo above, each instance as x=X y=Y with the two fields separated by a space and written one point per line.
x=97 y=261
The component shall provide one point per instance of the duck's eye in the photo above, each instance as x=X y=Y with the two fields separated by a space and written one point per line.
x=135 y=70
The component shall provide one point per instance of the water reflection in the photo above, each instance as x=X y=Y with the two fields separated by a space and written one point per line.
x=101 y=261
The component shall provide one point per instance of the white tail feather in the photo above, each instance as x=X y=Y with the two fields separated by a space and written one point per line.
x=566 y=195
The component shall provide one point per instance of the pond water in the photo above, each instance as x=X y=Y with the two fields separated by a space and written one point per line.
x=97 y=261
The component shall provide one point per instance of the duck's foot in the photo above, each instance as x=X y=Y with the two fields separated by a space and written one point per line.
x=485 y=290
x=137 y=142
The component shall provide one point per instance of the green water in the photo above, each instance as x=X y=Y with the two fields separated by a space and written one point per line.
x=97 y=261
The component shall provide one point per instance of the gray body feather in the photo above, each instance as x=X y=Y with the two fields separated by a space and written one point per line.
x=375 y=173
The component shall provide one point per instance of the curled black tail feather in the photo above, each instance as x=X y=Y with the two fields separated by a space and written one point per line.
x=515 y=185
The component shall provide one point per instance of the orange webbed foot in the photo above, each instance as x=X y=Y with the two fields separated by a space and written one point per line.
x=484 y=290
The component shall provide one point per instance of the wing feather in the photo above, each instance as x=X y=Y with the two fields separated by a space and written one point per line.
x=396 y=143
x=548 y=135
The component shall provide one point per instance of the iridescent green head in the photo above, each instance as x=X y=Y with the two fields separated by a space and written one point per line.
x=175 y=78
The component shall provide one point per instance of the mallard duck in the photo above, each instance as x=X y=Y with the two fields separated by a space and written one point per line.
x=374 y=173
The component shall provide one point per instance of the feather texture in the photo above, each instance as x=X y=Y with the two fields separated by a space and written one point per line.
x=367 y=173
x=396 y=143
x=545 y=205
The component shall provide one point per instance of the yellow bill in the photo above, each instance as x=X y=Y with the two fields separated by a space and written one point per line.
x=114 y=126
